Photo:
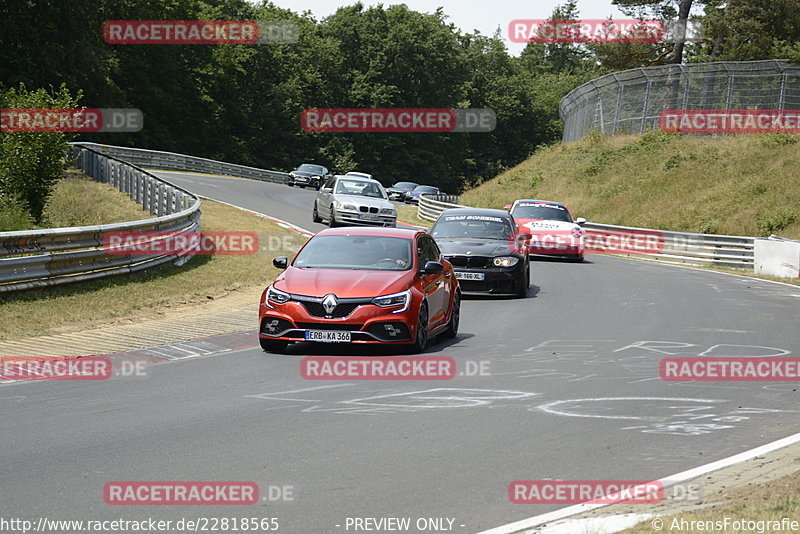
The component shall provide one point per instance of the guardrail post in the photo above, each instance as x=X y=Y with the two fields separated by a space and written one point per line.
x=153 y=197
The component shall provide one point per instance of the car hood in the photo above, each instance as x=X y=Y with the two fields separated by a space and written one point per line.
x=305 y=173
x=360 y=200
x=537 y=225
x=344 y=283
x=474 y=247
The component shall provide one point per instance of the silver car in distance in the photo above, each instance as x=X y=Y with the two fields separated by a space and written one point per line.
x=354 y=201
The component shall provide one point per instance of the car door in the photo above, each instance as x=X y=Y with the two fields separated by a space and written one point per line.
x=324 y=198
x=434 y=285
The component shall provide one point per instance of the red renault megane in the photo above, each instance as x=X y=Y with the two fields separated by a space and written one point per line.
x=362 y=285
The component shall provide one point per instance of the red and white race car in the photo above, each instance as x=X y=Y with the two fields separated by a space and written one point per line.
x=554 y=232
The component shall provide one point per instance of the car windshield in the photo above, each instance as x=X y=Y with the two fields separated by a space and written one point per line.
x=425 y=189
x=545 y=212
x=360 y=252
x=472 y=227
x=404 y=186
x=359 y=188
x=306 y=167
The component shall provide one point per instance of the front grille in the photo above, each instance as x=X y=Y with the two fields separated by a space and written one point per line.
x=476 y=262
x=497 y=286
x=326 y=326
x=366 y=209
x=342 y=310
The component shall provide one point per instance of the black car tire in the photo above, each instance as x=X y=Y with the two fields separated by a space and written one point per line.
x=290 y=184
x=270 y=345
x=421 y=341
x=455 y=318
x=301 y=186
x=576 y=259
x=332 y=221
x=315 y=214
x=524 y=284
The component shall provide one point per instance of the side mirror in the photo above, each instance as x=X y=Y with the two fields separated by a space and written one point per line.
x=281 y=262
x=580 y=221
x=432 y=267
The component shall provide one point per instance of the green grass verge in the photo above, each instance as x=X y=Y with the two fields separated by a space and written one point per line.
x=737 y=185
x=408 y=214
x=755 y=502
x=68 y=206
x=238 y=279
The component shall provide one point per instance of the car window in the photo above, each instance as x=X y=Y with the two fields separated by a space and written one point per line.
x=359 y=188
x=427 y=250
x=356 y=252
x=472 y=226
x=329 y=183
x=310 y=168
x=545 y=212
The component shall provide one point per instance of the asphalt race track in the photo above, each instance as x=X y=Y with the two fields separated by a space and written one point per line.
x=572 y=392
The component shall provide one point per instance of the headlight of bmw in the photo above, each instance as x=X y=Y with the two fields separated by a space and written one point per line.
x=387 y=211
x=396 y=299
x=277 y=296
x=505 y=261
x=343 y=206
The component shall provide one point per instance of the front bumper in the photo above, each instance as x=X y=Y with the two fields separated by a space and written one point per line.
x=367 y=324
x=356 y=218
x=496 y=281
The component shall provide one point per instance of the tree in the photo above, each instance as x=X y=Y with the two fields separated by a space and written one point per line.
x=32 y=162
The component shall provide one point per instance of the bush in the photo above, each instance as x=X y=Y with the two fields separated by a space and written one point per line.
x=32 y=162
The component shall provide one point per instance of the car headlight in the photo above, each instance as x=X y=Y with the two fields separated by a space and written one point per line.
x=343 y=206
x=277 y=296
x=397 y=299
x=505 y=261
x=387 y=211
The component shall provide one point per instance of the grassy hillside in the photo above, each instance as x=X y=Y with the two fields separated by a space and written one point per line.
x=743 y=185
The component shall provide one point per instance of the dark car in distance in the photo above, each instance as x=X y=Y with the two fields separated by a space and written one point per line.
x=486 y=250
x=309 y=175
x=412 y=197
x=398 y=190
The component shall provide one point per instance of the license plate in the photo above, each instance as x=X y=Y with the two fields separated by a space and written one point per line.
x=470 y=276
x=368 y=217
x=328 y=336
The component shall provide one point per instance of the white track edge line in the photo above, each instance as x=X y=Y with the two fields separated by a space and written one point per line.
x=671 y=480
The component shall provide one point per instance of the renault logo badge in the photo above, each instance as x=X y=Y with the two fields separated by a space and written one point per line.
x=329 y=303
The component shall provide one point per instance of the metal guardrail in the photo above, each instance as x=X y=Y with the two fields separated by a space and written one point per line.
x=41 y=258
x=154 y=159
x=630 y=101
x=678 y=247
x=689 y=248
x=430 y=206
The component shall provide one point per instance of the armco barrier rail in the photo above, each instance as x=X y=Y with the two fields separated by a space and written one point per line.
x=41 y=258
x=153 y=159
x=630 y=101
x=678 y=247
